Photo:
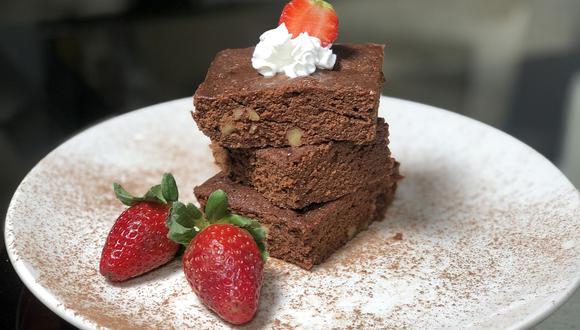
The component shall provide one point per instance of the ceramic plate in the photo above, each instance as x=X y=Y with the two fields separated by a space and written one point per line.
x=484 y=232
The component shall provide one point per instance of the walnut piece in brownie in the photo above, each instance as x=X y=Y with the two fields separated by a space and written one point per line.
x=238 y=108
x=309 y=236
x=297 y=177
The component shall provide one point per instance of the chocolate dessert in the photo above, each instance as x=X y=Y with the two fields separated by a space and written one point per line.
x=238 y=108
x=298 y=177
x=309 y=236
x=294 y=126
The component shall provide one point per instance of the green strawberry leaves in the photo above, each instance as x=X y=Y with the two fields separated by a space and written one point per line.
x=169 y=188
x=217 y=205
x=154 y=194
x=122 y=195
x=186 y=215
x=180 y=234
x=185 y=221
x=164 y=193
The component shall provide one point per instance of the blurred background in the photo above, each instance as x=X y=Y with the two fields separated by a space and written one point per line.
x=68 y=64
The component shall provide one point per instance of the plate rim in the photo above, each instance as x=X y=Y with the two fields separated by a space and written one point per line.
x=548 y=308
x=24 y=273
x=50 y=300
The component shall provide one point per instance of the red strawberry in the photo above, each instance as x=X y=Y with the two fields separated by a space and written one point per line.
x=224 y=268
x=138 y=241
x=224 y=261
x=317 y=17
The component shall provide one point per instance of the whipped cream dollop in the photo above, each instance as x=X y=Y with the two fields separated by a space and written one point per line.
x=278 y=52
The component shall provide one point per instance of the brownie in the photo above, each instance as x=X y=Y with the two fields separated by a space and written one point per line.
x=297 y=177
x=238 y=108
x=309 y=236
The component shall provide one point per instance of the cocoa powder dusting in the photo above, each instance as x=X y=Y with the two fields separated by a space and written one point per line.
x=482 y=244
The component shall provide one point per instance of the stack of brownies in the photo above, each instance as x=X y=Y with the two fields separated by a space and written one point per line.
x=307 y=157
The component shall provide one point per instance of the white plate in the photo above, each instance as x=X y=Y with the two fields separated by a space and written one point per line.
x=491 y=232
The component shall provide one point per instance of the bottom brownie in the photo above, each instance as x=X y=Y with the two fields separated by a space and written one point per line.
x=309 y=236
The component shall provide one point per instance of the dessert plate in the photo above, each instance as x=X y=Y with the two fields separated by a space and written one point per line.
x=484 y=232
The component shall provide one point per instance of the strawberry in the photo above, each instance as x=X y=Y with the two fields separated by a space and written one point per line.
x=138 y=241
x=224 y=268
x=224 y=259
x=317 y=17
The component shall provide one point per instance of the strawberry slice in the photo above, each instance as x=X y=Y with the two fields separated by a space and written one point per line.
x=317 y=17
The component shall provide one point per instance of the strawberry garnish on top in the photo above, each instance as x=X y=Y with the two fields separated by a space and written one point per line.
x=317 y=17
x=225 y=256
x=138 y=241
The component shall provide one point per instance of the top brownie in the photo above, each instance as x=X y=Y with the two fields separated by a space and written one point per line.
x=238 y=108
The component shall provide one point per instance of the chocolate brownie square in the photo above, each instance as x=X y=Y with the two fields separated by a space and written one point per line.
x=297 y=177
x=309 y=236
x=238 y=108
